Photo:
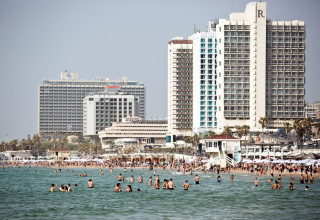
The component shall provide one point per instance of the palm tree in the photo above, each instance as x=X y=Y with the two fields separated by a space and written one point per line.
x=317 y=126
x=239 y=131
x=307 y=123
x=226 y=131
x=298 y=127
x=246 y=129
x=263 y=121
x=287 y=128
x=211 y=134
x=195 y=140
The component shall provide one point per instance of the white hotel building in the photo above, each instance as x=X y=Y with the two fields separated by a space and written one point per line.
x=180 y=90
x=204 y=79
x=260 y=72
x=100 y=110
x=261 y=69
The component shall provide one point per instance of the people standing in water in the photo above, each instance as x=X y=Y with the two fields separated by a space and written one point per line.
x=90 y=184
x=186 y=185
x=53 y=187
x=69 y=188
x=291 y=187
x=311 y=179
x=150 y=181
x=117 y=188
x=256 y=182
x=196 y=179
x=129 y=189
x=231 y=178
x=301 y=179
x=165 y=184
x=218 y=179
x=132 y=179
x=157 y=184
x=276 y=185
x=171 y=185
x=140 y=179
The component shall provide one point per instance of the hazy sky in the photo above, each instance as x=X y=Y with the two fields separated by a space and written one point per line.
x=113 y=39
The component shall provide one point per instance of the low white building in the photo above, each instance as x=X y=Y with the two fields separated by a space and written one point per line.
x=223 y=150
x=135 y=131
x=17 y=155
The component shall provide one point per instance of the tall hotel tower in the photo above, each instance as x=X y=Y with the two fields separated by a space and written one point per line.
x=204 y=79
x=61 y=101
x=261 y=69
x=179 y=88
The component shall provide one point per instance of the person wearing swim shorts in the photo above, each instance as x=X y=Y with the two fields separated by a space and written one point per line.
x=186 y=185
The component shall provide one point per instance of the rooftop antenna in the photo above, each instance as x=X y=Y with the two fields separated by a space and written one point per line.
x=71 y=56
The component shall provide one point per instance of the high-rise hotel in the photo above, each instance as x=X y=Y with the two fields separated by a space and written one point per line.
x=61 y=101
x=204 y=79
x=260 y=72
x=180 y=89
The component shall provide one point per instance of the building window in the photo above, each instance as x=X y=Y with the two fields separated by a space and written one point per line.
x=203 y=40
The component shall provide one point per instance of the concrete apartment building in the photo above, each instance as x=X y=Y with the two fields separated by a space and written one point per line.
x=204 y=79
x=60 y=105
x=261 y=69
x=180 y=87
x=260 y=72
x=100 y=110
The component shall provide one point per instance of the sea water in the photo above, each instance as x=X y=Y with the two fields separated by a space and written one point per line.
x=25 y=195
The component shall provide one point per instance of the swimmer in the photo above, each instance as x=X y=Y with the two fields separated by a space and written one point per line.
x=132 y=179
x=84 y=174
x=276 y=185
x=291 y=187
x=69 y=188
x=186 y=185
x=150 y=181
x=279 y=178
x=306 y=187
x=53 y=187
x=140 y=179
x=138 y=190
x=256 y=182
x=171 y=185
x=120 y=178
x=270 y=181
x=129 y=189
x=90 y=184
x=154 y=173
x=311 y=179
x=110 y=170
x=75 y=185
x=301 y=179
x=218 y=179
x=125 y=169
x=231 y=178
x=165 y=184
x=102 y=172
x=197 y=179
x=61 y=189
x=157 y=184
x=55 y=171
x=117 y=188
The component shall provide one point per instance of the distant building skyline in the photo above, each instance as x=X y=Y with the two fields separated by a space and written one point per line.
x=36 y=37
x=243 y=69
x=60 y=106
